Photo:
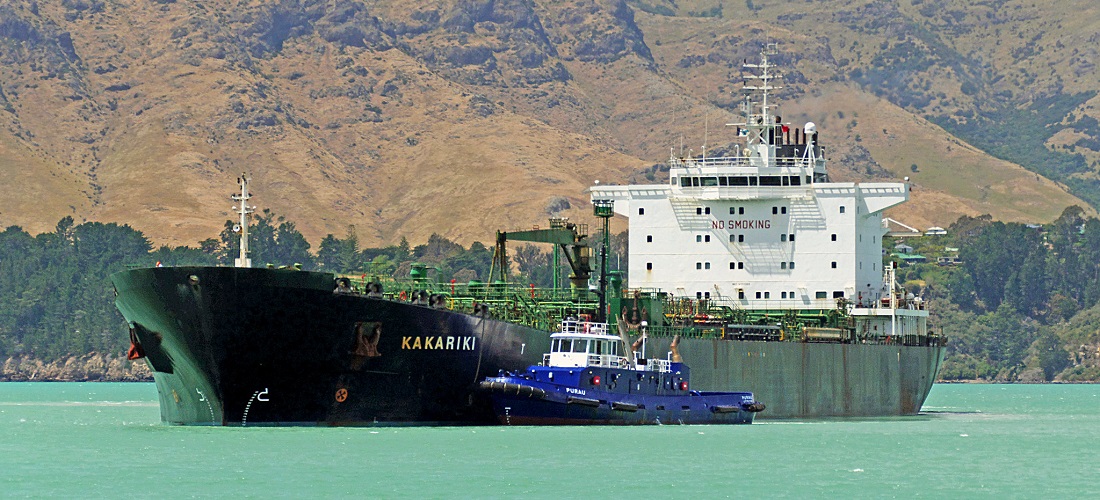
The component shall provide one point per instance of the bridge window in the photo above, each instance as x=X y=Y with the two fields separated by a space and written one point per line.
x=694 y=182
x=685 y=182
x=723 y=181
x=770 y=180
x=739 y=181
x=795 y=181
x=709 y=181
x=821 y=295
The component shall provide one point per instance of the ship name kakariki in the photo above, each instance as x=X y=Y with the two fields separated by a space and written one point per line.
x=441 y=343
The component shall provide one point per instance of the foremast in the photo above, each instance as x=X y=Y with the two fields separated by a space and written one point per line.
x=243 y=210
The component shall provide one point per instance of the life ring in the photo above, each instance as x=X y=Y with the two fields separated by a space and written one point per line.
x=341 y=395
x=403 y=296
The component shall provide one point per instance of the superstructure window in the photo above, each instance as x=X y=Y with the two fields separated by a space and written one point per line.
x=732 y=239
x=698 y=210
x=834 y=236
x=842 y=209
x=790 y=237
x=698 y=238
x=740 y=210
x=741 y=294
x=706 y=238
x=732 y=211
x=795 y=181
x=733 y=265
x=706 y=265
x=790 y=265
x=775 y=210
x=783 y=210
x=740 y=265
x=648 y=266
x=740 y=238
x=767 y=295
x=706 y=210
x=783 y=237
x=821 y=295
x=698 y=295
x=838 y=295
x=782 y=295
x=649 y=238
x=834 y=264
x=758 y=295
x=699 y=265
x=783 y=265
x=641 y=211
x=706 y=295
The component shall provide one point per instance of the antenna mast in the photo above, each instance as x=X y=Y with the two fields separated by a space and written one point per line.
x=243 y=210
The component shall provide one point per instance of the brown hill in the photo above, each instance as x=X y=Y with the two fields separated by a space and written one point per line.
x=449 y=117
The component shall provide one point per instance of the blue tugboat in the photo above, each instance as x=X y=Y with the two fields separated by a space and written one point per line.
x=586 y=379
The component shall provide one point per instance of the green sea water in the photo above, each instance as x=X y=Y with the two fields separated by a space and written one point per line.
x=105 y=440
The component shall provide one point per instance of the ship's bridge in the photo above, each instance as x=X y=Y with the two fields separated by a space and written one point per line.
x=584 y=343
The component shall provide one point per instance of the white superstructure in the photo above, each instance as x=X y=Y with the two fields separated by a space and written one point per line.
x=763 y=228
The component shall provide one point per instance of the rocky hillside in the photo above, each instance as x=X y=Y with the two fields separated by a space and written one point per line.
x=459 y=117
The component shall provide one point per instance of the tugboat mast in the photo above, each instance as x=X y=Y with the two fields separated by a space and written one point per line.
x=242 y=227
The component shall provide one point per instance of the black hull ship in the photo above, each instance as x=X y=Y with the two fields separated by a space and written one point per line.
x=807 y=316
x=242 y=346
